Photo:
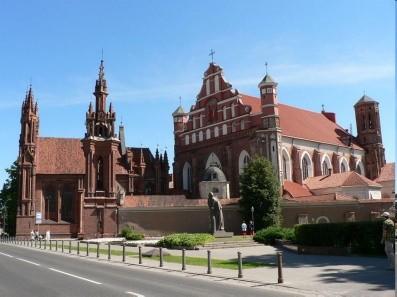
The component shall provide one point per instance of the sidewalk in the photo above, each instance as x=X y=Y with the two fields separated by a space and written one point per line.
x=309 y=275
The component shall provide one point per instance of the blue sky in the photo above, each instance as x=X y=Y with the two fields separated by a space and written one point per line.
x=319 y=51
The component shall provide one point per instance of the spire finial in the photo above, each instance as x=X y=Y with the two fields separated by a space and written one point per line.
x=212 y=52
x=266 y=67
x=101 y=71
x=102 y=54
x=323 y=107
x=364 y=92
x=180 y=101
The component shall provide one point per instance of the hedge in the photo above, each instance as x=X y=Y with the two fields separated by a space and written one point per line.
x=270 y=234
x=185 y=240
x=361 y=237
x=131 y=234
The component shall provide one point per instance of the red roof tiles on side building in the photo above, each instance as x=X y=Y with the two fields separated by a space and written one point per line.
x=387 y=173
x=295 y=190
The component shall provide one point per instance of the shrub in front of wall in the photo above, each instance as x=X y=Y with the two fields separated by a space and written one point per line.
x=185 y=240
x=131 y=234
x=270 y=234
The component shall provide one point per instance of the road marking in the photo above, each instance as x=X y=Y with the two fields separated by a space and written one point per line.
x=76 y=276
x=7 y=255
x=134 y=294
x=30 y=262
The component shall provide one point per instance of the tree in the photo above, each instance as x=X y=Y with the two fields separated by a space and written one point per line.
x=8 y=199
x=259 y=188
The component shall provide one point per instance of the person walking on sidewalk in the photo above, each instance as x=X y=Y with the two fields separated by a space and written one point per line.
x=244 y=228
x=388 y=238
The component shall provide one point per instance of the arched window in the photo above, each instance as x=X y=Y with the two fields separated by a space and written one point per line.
x=216 y=131
x=243 y=161
x=242 y=125
x=224 y=129
x=100 y=172
x=306 y=166
x=286 y=165
x=325 y=165
x=194 y=138
x=233 y=111
x=208 y=134
x=186 y=139
x=187 y=177
x=201 y=136
x=213 y=160
x=67 y=202
x=234 y=127
x=344 y=167
x=322 y=220
x=360 y=167
x=224 y=113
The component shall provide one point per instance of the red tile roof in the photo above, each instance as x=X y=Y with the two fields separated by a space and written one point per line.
x=331 y=197
x=295 y=190
x=387 y=173
x=60 y=156
x=344 y=179
x=304 y=124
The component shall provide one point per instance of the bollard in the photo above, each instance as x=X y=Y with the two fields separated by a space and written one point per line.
x=62 y=246
x=35 y=243
x=183 y=259
x=78 y=247
x=50 y=245
x=123 y=252
x=109 y=253
x=45 y=244
x=87 y=252
x=140 y=254
x=97 y=250
x=161 y=256
x=70 y=246
x=56 y=245
x=40 y=243
x=209 y=270
x=280 y=267
x=240 y=265
x=31 y=243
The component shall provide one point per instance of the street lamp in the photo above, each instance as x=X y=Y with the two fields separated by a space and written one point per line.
x=252 y=220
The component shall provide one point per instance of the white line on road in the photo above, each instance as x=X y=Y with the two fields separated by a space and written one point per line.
x=134 y=294
x=7 y=255
x=27 y=261
x=76 y=276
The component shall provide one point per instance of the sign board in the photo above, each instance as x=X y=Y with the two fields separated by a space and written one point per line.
x=38 y=217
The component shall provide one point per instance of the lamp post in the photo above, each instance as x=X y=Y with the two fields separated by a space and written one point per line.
x=252 y=219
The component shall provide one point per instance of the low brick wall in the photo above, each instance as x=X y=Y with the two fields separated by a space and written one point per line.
x=165 y=220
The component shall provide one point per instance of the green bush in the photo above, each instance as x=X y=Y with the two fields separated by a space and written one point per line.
x=185 y=240
x=131 y=234
x=269 y=235
x=361 y=237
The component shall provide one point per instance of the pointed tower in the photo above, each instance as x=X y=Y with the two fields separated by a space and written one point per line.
x=270 y=134
x=369 y=135
x=27 y=156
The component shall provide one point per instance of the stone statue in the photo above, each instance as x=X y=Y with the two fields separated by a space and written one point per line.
x=216 y=215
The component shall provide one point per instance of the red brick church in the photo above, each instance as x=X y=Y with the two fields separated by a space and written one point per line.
x=78 y=184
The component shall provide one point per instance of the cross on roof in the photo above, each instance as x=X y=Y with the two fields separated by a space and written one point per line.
x=212 y=52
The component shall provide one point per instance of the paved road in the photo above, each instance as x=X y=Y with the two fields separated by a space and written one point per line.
x=31 y=273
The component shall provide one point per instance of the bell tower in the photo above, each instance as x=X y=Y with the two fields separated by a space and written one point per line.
x=27 y=155
x=369 y=135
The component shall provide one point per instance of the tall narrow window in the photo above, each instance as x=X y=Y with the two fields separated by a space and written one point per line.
x=305 y=168
x=99 y=179
x=325 y=168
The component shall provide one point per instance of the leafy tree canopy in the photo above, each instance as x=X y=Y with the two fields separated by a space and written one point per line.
x=260 y=188
x=8 y=199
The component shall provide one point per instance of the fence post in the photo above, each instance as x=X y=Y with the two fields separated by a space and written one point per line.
x=280 y=267
x=240 y=265
x=78 y=247
x=97 y=250
x=183 y=259
x=109 y=252
x=62 y=246
x=40 y=243
x=45 y=244
x=209 y=269
x=161 y=256
x=50 y=245
x=140 y=254
x=70 y=246
x=56 y=245
x=87 y=253
x=35 y=243
x=123 y=252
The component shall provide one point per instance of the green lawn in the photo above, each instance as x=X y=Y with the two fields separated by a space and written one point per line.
x=195 y=261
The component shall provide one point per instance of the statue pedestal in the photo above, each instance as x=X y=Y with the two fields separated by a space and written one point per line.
x=222 y=234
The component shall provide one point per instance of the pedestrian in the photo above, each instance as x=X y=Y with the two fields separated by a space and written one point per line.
x=48 y=235
x=36 y=235
x=252 y=228
x=32 y=235
x=244 y=228
x=388 y=235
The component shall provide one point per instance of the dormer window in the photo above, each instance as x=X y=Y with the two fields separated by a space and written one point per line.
x=269 y=90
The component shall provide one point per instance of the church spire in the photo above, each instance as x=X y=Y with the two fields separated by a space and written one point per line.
x=101 y=90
